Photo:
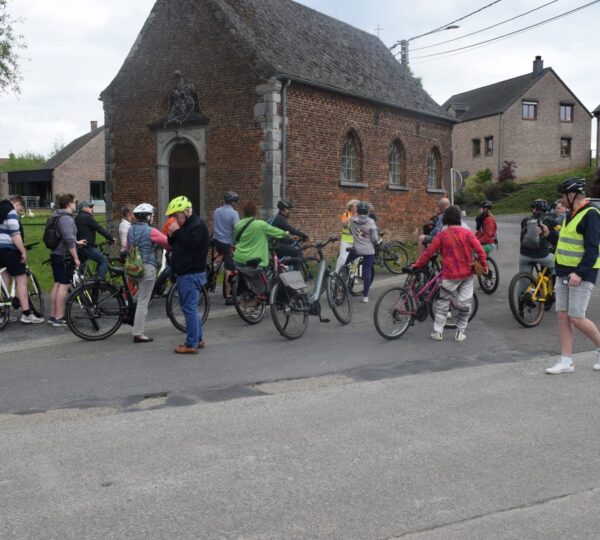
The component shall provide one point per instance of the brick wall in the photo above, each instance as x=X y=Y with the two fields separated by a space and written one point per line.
x=75 y=174
x=242 y=133
x=533 y=144
x=3 y=185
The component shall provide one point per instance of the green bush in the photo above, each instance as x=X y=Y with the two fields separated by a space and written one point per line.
x=484 y=176
x=509 y=186
x=459 y=198
x=492 y=191
x=473 y=192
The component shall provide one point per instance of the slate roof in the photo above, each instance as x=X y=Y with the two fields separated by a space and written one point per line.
x=596 y=110
x=494 y=98
x=308 y=46
x=70 y=149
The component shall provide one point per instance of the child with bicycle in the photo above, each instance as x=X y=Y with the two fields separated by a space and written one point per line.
x=456 y=246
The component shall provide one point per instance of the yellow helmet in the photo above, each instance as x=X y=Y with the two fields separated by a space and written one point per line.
x=178 y=204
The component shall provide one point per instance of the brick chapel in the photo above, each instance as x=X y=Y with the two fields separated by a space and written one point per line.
x=273 y=100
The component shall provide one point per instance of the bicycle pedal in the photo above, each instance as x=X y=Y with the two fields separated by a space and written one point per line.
x=324 y=320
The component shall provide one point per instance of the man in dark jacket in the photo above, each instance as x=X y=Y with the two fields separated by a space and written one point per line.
x=87 y=227
x=189 y=238
x=534 y=246
x=284 y=247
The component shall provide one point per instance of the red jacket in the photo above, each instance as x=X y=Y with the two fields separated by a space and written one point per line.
x=487 y=233
x=456 y=245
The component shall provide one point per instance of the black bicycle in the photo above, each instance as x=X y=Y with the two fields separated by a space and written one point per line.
x=489 y=282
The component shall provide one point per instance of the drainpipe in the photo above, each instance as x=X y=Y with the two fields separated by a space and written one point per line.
x=500 y=149
x=284 y=88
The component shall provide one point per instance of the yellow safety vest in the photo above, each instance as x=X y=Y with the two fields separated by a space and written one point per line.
x=346 y=234
x=570 y=248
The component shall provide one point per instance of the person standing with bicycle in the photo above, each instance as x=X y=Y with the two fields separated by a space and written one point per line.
x=87 y=227
x=189 y=238
x=456 y=245
x=364 y=240
x=142 y=235
x=577 y=265
x=225 y=219
x=486 y=227
x=13 y=254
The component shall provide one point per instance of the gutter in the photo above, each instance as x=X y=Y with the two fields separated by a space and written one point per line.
x=284 y=88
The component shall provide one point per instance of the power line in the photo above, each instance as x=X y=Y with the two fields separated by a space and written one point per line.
x=504 y=36
x=444 y=26
x=487 y=28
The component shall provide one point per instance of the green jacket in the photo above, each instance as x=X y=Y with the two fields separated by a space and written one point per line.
x=254 y=242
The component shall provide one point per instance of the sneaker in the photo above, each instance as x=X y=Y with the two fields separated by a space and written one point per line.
x=560 y=367
x=460 y=336
x=59 y=322
x=596 y=366
x=437 y=336
x=229 y=301
x=31 y=319
x=184 y=349
x=50 y=320
x=365 y=299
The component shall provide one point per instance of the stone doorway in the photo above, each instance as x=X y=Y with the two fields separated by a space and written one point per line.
x=184 y=174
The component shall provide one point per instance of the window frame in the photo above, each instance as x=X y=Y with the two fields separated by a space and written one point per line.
x=567 y=107
x=528 y=104
x=436 y=185
x=103 y=190
x=488 y=149
x=351 y=141
x=397 y=148
x=569 y=147
x=476 y=148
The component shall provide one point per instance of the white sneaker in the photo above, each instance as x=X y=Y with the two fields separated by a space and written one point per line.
x=596 y=366
x=365 y=300
x=31 y=319
x=460 y=336
x=436 y=336
x=560 y=367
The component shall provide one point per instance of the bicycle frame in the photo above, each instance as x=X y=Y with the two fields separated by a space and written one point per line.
x=544 y=283
x=432 y=285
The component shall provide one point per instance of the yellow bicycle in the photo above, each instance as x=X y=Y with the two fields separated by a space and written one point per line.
x=530 y=294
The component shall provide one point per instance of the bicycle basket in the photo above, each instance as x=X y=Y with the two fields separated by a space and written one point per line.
x=254 y=279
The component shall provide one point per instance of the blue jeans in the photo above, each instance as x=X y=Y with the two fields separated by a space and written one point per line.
x=190 y=286
x=94 y=254
x=367 y=269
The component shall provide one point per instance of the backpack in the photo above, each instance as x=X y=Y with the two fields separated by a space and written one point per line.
x=51 y=233
x=134 y=264
x=531 y=239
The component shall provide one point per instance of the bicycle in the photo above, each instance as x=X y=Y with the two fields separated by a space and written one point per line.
x=393 y=255
x=352 y=275
x=489 y=282
x=291 y=303
x=8 y=298
x=174 y=311
x=398 y=307
x=530 y=294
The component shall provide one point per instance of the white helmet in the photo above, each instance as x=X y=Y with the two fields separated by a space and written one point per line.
x=143 y=208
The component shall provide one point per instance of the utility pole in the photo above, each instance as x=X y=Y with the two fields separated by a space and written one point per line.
x=404 y=42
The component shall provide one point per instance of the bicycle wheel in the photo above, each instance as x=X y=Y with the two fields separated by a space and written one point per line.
x=175 y=313
x=393 y=313
x=355 y=280
x=490 y=281
x=453 y=311
x=250 y=308
x=95 y=310
x=289 y=311
x=338 y=299
x=36 y=299
x=4 y=309
x=527 y=311
x=395 y=256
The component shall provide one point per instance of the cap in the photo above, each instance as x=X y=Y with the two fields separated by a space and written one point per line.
x=84 y=204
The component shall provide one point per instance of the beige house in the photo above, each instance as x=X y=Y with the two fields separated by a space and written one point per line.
x=78 y=168
x=596 y=113
x=534 y=120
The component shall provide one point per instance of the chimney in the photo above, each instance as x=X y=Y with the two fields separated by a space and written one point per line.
x=538 y=65
x=94 y=123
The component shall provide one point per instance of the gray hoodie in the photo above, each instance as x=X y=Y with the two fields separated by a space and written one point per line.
x=67 y=231
x=364 y=233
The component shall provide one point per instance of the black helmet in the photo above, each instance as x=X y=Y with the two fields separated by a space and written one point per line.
x=486 y=204
x=231 y=196
x=540 y=205
x=572 y=185
x=284 y=205
x=362 y=208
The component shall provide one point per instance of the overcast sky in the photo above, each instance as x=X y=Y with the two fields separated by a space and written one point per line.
x=75 y=48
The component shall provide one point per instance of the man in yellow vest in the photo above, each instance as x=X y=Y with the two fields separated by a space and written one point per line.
x=577 y=265
x=346 y=237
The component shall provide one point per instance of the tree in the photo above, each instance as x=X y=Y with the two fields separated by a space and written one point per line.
x=10 y=43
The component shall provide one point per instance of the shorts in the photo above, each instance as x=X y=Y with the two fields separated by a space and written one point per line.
x=62 y=269
x=11 y=258
x=227 y=252
x=573 y=300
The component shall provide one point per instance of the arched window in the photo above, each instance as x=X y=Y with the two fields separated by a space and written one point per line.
x=351 y=159
x=396 y=165
x=434 y=170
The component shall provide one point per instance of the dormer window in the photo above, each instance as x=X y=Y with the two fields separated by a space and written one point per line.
x=566 y=112
x=530 y=110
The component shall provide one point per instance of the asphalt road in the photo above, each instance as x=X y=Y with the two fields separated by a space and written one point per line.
x=340 y=434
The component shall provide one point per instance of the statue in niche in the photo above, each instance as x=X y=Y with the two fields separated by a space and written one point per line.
x=182 y=102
